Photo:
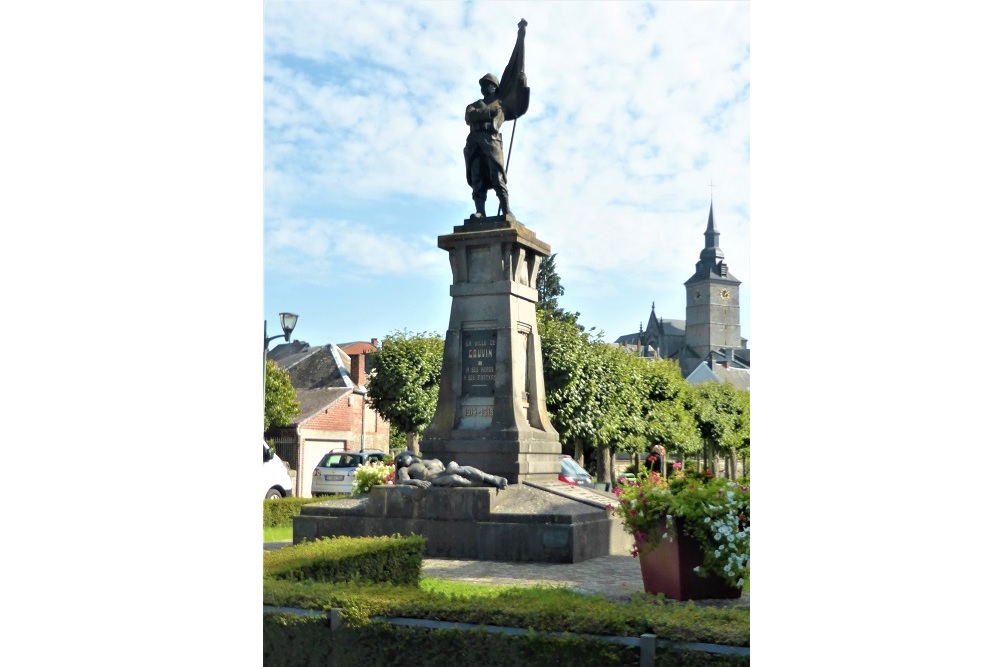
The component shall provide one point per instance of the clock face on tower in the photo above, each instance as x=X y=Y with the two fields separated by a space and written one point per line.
x=724 y=294
x=697 y=295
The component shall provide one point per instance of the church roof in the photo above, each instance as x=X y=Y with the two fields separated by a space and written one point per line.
x=672 y=327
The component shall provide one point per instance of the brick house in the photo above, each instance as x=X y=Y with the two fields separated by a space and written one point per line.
x=333 y=414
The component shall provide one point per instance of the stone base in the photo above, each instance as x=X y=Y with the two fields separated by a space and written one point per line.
x=501 y=221
x=526 y=522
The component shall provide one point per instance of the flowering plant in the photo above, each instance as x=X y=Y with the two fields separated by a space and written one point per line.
x=713 y=511
x=374 y=473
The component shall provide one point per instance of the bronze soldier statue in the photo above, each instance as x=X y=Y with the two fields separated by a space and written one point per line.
x=503 y=100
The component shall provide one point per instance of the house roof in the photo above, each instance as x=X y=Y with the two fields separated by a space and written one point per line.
x=359 y=346
x=738 y=377
x=313 y=367
x=741 y=357
x=314 y=401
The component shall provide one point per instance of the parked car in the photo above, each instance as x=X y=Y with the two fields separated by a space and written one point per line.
x=335 y=472
x=573 y=473
x=277 y=481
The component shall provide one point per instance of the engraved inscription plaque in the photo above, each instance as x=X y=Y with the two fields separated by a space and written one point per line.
x=479 y=353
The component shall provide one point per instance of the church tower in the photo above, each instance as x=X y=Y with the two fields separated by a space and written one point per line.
x=713 y=301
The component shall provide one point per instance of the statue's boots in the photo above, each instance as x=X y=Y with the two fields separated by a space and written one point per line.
x=480 y=208
x=504 y=206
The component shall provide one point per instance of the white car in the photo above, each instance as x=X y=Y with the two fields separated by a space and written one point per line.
x=335 y=472
x=277 y=481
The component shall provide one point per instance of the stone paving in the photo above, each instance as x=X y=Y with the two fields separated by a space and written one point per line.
x=614 y=577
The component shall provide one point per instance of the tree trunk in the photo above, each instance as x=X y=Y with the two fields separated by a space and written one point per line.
x=603 y=464
x=578 y=453
x=413 y=443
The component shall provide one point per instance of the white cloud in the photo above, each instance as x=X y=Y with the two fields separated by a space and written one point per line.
x=635 y=109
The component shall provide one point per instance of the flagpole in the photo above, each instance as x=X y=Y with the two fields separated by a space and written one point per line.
x=510 y=149
x=515 y=60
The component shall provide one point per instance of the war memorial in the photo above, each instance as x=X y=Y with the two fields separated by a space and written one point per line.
x=498 y=497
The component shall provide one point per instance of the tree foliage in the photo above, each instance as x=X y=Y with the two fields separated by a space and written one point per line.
x=592 y=390
x=280 y=402
x=668 y=407
x=404 y=379
x=723 y=415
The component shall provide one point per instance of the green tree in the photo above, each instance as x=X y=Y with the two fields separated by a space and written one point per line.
x=723 y=415
x=280 y=402
x=591 y=389
x=618 y=402
x=404 y=380
x=668 y=413
x=564 y=347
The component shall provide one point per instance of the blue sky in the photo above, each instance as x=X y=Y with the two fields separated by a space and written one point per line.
x=636 y=110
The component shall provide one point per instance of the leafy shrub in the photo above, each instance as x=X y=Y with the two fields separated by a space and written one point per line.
x=280 y=512
x=393 y=559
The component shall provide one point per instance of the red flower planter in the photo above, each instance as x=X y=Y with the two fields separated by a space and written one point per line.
x=669 y=569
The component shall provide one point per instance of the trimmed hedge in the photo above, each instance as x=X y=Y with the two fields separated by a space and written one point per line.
x=280 y=512
x=549 y=610
x=337 y=573
x=295 y=641
x=395 y=559
x=291 y=641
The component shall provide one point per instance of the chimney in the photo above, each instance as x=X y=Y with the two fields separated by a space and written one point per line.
x=358 y=369
x=375 y=342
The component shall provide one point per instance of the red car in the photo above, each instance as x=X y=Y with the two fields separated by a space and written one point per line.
x=573 y=473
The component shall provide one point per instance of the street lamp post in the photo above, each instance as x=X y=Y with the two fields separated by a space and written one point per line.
x=288 y=321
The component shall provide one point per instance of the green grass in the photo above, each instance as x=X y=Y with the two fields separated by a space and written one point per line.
x=278 y=533
x=458 y=589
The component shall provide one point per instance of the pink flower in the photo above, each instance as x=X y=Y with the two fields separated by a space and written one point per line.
x=608 y=506
x=633 y=512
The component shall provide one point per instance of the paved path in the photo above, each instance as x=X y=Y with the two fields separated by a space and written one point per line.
x=613 y=577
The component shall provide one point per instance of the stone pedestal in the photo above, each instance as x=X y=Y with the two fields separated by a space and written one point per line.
x=491 y=410
x=544 y=523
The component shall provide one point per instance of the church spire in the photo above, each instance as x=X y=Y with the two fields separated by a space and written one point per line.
x=712 y=253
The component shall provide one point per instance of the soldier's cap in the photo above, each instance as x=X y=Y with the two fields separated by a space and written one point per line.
x=492 y=79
